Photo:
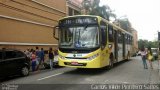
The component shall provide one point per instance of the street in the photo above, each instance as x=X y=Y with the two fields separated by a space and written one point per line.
x=126 y=72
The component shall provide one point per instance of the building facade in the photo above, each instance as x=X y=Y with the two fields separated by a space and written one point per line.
x=74 y=7
x=29 y=23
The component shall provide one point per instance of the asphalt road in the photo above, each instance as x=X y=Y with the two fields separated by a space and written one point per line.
x=126 y=72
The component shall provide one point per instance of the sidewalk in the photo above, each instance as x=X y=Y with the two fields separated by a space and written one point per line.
x=153 y=74
x=46 y=64
x=156 y=65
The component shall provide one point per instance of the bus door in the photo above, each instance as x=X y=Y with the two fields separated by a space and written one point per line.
x=124 y=45
x=104 y=57
x=127 y=44
x=116 y=45
x=120 y=46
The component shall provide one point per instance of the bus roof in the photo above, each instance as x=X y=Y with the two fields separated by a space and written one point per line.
x=79 y=16
x=117 y=27
x=100 y=18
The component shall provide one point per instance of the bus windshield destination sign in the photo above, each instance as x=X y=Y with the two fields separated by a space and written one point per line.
x=77 y=21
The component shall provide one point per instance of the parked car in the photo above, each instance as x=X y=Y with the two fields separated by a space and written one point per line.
x=139 y=53
x=13 y=62
x=155 y=53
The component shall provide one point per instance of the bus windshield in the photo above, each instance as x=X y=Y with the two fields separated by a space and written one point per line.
x=79 y=37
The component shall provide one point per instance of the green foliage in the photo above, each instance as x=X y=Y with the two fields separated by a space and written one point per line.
x=93 y=8
x=146 y=43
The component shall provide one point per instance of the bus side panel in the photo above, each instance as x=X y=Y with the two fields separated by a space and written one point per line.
x=120 y=52
x=129 y=50
x=105 y=57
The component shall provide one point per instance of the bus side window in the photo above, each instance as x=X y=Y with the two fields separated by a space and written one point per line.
x=126 y=37
x=110 y=34
x=119 y=37
x=131 y=40
x=104 y=37
x=103 y=27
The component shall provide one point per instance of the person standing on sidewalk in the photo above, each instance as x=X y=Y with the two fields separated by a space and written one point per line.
x=150 y=57
x=38 y=55
x=41 y=58
x=34 y=58
x=51 y=57
x=144 y=57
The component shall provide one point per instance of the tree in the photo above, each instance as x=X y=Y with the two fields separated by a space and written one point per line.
x=146 y=43
x=92 y=7
x=86 y=6
x=125 y=24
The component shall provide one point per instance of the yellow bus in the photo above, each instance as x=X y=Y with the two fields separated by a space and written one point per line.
x=87 y=41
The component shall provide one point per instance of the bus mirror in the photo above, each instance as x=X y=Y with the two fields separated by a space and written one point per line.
x=55 y=32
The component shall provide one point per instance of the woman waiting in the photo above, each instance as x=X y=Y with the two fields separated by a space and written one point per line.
x=143 y=54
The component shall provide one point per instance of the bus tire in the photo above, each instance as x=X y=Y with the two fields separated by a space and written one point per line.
x=111 y=60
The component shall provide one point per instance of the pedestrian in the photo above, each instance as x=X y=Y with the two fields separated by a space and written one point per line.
x=144 y=57
x=150 y=57
x=38 y=55
x=30 y=52
x=33 y=58
x=51 y=57
x=55 y=51
x=41 y=56
x=27 y=53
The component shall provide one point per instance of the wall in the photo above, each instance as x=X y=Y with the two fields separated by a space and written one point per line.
x=29 y=23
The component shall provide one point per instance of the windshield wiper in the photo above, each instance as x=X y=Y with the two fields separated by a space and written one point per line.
x=85 y=27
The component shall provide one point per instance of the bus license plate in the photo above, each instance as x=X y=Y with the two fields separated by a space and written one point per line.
x=74 y=63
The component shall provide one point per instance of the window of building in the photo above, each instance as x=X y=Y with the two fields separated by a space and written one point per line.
x=70 y=11
x=76 y=12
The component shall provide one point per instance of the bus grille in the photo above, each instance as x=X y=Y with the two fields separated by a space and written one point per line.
x=76 y=58
x=79 y=64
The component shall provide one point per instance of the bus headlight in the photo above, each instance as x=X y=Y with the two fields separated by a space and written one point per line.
x=93 y=57
x=62 y=57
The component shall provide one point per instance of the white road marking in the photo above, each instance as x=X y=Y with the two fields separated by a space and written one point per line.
x=50 y=76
